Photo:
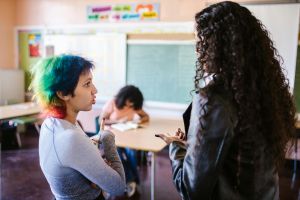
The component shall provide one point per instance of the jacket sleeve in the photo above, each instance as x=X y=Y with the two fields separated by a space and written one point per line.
x=195 y=168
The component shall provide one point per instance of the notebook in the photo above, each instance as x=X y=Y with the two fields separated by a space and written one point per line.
x=125 y=126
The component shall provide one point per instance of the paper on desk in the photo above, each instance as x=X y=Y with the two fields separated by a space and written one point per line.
x=125 y=126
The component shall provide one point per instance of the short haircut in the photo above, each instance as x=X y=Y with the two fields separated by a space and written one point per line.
x=57 y=73
x=132 y=94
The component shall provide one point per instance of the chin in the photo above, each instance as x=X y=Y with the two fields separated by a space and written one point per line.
x=88 y=108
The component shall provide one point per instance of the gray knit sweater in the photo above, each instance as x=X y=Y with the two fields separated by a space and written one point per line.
x=70 y=162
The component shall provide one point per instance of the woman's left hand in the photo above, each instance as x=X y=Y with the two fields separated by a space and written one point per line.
x=179 y=137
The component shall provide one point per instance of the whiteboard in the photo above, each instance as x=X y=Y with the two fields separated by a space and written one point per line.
x=106 y=50
x=282 y=21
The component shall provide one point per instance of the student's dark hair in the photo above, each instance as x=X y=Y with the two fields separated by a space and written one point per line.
x=58 y=73
x=236 y=47
x=132 y=94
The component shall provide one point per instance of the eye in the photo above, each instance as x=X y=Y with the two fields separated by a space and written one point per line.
x=87 y=84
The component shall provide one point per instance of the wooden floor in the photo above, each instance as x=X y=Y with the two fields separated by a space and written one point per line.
x=21 y=177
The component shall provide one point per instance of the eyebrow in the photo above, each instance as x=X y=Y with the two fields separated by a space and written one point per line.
x=88 y=79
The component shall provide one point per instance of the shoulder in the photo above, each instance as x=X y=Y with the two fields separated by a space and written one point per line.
x=63 y=132
x=214 y=99
x=215 y=106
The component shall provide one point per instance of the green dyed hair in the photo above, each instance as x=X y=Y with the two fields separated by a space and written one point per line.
x=53 y=74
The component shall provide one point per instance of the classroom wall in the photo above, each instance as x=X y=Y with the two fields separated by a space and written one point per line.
x=57 y=12
x=28 y=10
x=7 y=23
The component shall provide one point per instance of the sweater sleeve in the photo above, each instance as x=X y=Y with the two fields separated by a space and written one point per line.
x=76 y=151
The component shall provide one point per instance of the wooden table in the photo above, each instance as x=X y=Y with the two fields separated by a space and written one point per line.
x=144 y=139
x=19 y=110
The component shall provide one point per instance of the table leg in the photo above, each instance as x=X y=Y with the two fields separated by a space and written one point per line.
x=152 y=175
x=18 y=139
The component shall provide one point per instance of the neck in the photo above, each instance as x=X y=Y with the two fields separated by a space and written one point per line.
x=71 y=115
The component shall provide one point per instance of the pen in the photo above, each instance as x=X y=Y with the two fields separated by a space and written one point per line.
x=102 y=124
x=101 y=128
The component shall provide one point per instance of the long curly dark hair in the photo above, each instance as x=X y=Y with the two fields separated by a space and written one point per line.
x=235 y=46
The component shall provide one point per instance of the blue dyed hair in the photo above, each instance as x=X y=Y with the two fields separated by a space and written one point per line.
x=58 y=73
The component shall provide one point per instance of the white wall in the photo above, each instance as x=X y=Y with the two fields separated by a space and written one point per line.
x=282 y=21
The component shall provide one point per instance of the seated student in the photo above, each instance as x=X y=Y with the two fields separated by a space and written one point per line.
x=126 y=106
x=71 y=163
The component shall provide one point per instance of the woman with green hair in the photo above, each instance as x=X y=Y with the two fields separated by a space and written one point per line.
x=72 y=164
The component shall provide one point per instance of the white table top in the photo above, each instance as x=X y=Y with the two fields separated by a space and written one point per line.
x=17 y=110
x=143 y=138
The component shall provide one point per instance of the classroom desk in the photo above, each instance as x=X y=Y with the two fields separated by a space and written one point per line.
x=19 y=110
x=144 y=139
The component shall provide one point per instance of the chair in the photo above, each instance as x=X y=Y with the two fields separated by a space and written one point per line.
x=21 y=121
x=97 y=124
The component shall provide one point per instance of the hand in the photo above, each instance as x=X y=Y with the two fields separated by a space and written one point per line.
x=107 y=162
x=180 y=134
x=179 y=137
x=95 y=141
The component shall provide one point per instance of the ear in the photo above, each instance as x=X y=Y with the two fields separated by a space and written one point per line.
x=63 y=97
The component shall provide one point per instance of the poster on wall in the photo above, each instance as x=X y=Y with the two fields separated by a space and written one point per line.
x=123 y=12
x=34 y=44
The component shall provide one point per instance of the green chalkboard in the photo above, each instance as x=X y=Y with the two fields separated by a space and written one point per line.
x=297 y=82
x=163 y=72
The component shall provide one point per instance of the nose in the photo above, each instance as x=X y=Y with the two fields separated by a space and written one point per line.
x=94 y=90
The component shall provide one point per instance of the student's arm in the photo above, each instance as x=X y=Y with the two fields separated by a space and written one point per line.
x=107 y=110
x=76 y=151
x=143 y=115
x=109 y=121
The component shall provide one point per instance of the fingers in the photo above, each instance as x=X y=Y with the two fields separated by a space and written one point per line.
x=180 y=134
x=95 y=141
x=168 y=138
x=107 y=162
x=164 y=138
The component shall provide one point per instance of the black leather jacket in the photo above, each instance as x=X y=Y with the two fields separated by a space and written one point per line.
x=216 y=164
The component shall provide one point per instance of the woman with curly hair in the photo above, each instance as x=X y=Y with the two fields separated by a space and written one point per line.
x=242 y=114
